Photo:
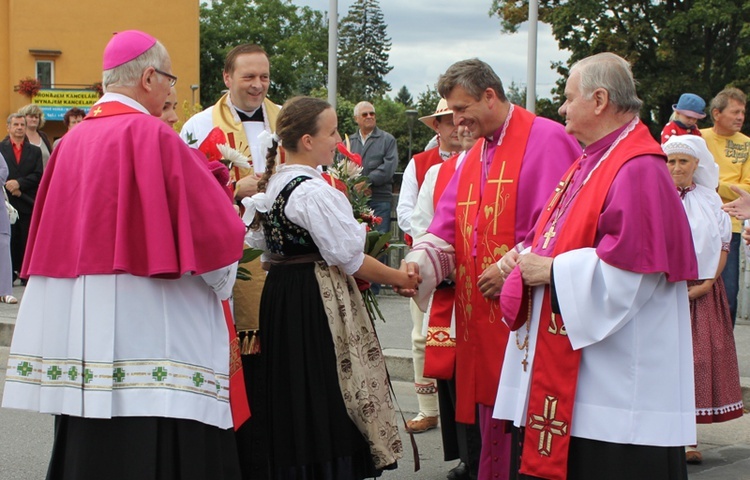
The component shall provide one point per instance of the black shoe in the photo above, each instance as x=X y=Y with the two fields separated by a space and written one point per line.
x=459 y=472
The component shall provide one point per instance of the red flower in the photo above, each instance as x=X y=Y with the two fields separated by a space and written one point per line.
x=354 y=157
x=377 y=220
x=209 y=148
x=336 y=183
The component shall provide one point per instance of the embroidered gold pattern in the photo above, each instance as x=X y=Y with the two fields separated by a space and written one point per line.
x=548 y=425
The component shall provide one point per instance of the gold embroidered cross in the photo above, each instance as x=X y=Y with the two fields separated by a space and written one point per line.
x=97 y=111
x=467 y=204
x=548 y=425
x=499 y=183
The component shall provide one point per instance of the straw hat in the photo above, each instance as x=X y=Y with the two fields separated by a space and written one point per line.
x=442 y=109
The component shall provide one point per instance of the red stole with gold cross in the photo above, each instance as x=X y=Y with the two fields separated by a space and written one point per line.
x=555 y=373
x=481 y=335
x=440 y=348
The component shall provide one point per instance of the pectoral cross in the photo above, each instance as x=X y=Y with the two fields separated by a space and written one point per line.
x=499 y=183
x=548 y=235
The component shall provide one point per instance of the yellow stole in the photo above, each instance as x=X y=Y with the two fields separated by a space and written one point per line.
x=246 y=293
x=224 y=118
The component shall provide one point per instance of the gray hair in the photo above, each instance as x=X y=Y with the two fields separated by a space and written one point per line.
x=612 y=73
x=16 y=115
x=360 y=105
x=721 y=100
x=33 y=109
x=128 y=74
x=474 y=76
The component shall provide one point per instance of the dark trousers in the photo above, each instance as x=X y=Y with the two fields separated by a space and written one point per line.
x=460 y=440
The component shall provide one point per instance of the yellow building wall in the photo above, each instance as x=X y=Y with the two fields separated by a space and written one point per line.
x=80 y=29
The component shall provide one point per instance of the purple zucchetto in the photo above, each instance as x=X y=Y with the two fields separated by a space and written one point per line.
x=125 y=46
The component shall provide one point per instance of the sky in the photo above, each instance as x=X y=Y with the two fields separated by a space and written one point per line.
x=428 y=36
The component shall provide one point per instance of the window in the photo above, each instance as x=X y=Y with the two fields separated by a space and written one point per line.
x=45 y=73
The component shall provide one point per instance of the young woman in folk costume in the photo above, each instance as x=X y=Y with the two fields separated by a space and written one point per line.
x=331 y=414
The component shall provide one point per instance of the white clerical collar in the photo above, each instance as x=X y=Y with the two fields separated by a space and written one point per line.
x=124 y=99
x=233 y=107
x=445 y=155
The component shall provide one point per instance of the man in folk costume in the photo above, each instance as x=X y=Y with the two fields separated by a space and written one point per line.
x=488 y=207
x=460 y=440
x=122 y=335
x=603 y=384
x=442 y=123
x=245 y=115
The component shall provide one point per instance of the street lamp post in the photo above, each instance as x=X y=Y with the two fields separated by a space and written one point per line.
x=411 y=115
x=193 y=88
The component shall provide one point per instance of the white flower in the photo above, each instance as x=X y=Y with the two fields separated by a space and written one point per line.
x=233 y=156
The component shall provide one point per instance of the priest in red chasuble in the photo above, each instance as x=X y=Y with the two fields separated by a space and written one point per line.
x=603 y=386
x=488 y=207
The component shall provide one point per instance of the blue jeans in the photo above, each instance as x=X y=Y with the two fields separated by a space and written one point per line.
x=381 y=209
x=731 y=274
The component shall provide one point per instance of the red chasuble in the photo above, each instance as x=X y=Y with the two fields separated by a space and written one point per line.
x=440 y=348
x=481 y=335
x=555 y=372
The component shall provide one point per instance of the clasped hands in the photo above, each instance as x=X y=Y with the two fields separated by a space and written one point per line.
x=13 y=187
x=410 y=287
x=535 y=270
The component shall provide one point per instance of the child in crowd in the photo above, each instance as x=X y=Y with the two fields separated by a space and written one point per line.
x=688 y=110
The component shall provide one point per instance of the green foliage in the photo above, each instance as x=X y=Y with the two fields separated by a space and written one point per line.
x=248 y=255
x=404 y=97
x=296 y=39
x=675 y=46
x=363 y=52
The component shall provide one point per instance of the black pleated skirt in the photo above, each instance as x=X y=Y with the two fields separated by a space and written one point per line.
x=310 y=433
x=143 y=448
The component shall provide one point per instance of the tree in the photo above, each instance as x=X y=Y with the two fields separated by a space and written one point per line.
x=295 y=38
x=675 y=46
x=404 y=97
x=363 y=52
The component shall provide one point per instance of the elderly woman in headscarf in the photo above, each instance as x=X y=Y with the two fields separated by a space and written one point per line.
x=718 y=396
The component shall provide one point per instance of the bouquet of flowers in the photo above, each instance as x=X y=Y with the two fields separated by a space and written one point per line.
x=221 y=157
x=345 y=174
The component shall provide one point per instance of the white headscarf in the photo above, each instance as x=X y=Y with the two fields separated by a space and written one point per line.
x=707 y=173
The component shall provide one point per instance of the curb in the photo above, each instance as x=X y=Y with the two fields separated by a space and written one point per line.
x=400 y=364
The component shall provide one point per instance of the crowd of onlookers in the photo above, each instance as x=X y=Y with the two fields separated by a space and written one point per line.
x=26 y=151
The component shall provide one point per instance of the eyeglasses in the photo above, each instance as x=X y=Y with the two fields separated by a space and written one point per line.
x=368 y=114
x=172 y=78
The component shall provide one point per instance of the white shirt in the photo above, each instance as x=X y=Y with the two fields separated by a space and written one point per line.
x=710 y=226
x=318 y=208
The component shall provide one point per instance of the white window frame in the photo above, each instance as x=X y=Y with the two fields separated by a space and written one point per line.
x=51 y=69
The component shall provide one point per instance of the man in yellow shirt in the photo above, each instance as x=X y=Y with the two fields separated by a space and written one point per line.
x=731 y=150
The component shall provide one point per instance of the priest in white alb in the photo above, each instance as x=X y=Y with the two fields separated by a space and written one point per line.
x=599 y=383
